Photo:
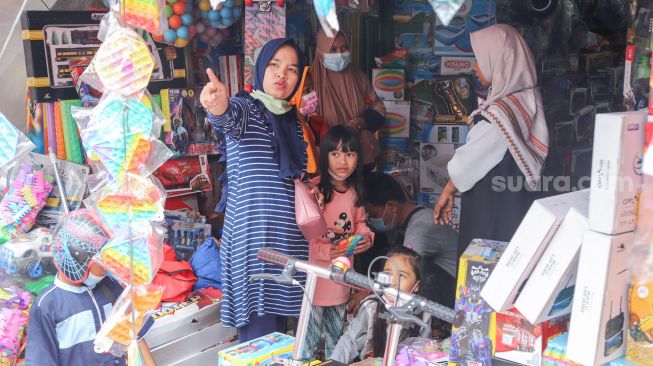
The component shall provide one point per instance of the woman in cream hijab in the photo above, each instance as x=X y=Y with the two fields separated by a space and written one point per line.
x=501 y=164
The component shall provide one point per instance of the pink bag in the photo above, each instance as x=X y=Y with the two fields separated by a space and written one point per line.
x=308 y=212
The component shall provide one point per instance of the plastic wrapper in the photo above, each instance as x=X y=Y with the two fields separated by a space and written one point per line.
x=149 y=15
x=446 y=9
x=326 y=14
x=123 y=64
x=14 y=314
x=421 y=352
x=147 y=248
x=120 y=133
x=26 y=197
x=13 y=143
x=28 y=257
x=117 y=332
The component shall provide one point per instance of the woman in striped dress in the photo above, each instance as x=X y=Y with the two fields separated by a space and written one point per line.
x=265 y=150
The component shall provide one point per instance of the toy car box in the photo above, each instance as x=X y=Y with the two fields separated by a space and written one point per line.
x=185 y=175
x=549 y=291
x=260 y=351
x=473 y=325
x=527 y=245
x=53 y=38
x=616 y=171
x=599 y=326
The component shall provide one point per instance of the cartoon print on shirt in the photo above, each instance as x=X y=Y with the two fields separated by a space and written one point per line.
x=341 y=228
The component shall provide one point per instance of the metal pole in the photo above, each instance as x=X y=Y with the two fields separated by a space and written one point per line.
x=304 y=316
x=394 y=331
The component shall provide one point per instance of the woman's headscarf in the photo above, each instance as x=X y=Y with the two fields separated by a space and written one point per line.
x=513 y=104
x=341 y=94
x=289 y=147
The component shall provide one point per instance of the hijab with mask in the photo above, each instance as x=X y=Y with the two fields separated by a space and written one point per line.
x=513 y=104
x=343 y=95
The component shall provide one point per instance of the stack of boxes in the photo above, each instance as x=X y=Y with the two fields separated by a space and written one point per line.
x=565 y=273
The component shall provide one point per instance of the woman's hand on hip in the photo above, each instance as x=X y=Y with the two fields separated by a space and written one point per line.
x=444 y=205
x=214 y=97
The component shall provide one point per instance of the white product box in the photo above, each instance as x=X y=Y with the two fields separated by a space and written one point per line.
x=389 y=84
x=397 y=119
x=526 y=246
x=433 y=173
x=599 y=316
x=616 y=171
x=549 y=291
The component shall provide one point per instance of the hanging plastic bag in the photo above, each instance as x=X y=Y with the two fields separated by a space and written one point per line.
x=13 y=143
x=446 y=9
x=326 y=14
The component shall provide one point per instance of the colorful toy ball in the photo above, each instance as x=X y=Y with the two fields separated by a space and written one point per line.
x=174 y=21
x=187 y=19
x=179 y=7
x=170 y=35
x=205 y=5
x=76 y=239
x=183 y=32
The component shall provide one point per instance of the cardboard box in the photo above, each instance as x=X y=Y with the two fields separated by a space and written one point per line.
x=52 y=38
x=185 y=175
x=392 y=149
x=549 y=291
x=526 y=246
x=473 y=325
x=397 y=119
x=433 y=173
x=452 y=134
x=186 y=236
x=422 y=114
x=413 y=30
x=640 y=338
x=453 y=39
x=389 y=84
x=517 y=340
x=599 y=315
x=453 y=99
x=259 y=351
x=616 y=171
x=186 y=130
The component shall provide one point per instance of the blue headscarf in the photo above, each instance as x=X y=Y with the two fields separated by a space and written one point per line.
x=289 y=148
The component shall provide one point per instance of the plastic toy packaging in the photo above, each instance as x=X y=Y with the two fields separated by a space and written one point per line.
x=26 y=197
x=421 y=352
x=28 y=256
x=446 y=9
x=149 y=15
x=14 y=313
x=147 y=248
x=326 y=14
x=13 y=143
x=123 y=64
x=117 y=332
x=121 y=133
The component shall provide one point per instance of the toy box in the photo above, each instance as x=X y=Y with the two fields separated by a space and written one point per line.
x=259 y=351
x=517 y=340
x=616 y=171
x=549 y=291
x=453 y=65
x=453 y=39
x=392 y=149
x=473 y=324
x=433 y=173
x=231 y=73
x=452 y=134
x=185 y=175
x=186 y=236
x=389 y=84
x=453 y=99
x=397 y=119
x=186 y=130
x=413 y=30
x=530 y=240
x=422 y=113
x=182 y=203
x=52 y=38
x=599 y=314
x=640 y=337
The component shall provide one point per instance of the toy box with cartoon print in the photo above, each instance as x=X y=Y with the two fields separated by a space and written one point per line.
x=474 y=320
x=185 y=175
x=453 y=39
x=186 y=130
x=259 y=351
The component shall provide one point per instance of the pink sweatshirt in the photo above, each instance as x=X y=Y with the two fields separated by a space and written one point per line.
x=343 y=220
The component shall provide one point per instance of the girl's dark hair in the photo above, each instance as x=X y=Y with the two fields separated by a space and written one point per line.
x=379 y=335
x=343 y=138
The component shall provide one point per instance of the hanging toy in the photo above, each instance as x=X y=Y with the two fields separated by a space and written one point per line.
x=144 y=14
x=326 y=14
x=446 y=9
x=13 y=143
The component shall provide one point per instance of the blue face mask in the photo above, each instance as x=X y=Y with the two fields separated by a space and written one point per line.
x=337 y=61
x=379 y=224
x=92 y=280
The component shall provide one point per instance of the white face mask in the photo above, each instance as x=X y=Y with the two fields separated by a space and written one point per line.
x=337 y=61
x=340 y=179
x=92 y=280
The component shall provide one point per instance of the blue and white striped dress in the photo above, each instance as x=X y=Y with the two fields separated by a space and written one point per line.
x=260 y=214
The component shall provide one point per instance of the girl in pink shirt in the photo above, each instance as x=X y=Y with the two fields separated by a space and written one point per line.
x=341 y=185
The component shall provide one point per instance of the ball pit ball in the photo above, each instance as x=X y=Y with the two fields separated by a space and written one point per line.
x=158 y=37
x=170 y=35
x=192 y=30
x=214 y=15
x=168 y=11
x=204 y=15
x=174 y=21
x=237 y=12
x=216 y=24
x=183 y=32
x=179 y=7
x=187 y=19
x=229 y=3
x=226 y=13
x=204 y=5
x=200 y=28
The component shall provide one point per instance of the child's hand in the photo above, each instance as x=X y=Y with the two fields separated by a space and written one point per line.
x=214 y=96
x=364 y=244
x=335 y=252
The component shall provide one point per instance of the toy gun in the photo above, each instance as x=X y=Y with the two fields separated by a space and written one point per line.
x=445 y=90
x=349 y=244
